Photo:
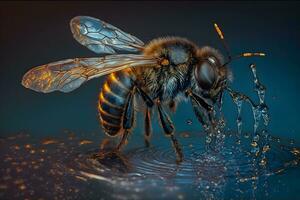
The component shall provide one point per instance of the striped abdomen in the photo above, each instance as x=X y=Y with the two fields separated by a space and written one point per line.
x=112 y=100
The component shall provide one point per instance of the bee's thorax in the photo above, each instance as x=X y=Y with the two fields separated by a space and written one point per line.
x=166 y=82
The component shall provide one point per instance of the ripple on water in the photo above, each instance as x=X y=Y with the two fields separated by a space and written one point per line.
x=73 y=167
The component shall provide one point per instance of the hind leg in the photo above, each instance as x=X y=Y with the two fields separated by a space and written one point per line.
x=168 y=128
x=128 y=120
x=165 y=122
x=149 y=105
x=148 y=131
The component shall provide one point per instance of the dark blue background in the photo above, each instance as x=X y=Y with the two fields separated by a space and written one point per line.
x=38 y=33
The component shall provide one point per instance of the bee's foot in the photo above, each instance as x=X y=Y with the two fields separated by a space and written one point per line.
x=179 y=160
x=147 y=143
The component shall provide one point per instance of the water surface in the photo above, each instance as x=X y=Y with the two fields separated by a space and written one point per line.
x=76 y=167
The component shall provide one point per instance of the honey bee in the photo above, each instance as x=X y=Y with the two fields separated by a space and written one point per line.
x=160 y=73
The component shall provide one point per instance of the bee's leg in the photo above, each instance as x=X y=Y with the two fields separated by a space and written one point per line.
x=199 y=100
x=168 y=128
x=128 y=119
x=172 y=105
x=201 y=109
x=123 y=140
x=147 y=126
x=149 y=104
x=199 y=112
x=145 y=97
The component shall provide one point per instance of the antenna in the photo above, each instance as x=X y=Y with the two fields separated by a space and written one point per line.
x=221 y=36
x=230 y=58
x=251 y=54
x=247 y=54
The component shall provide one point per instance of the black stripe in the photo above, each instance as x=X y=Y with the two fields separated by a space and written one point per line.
x=110 y=129
x=101 y=111
x=111 y=110
x=114 y=99
x=109 y=119
x=111 y=133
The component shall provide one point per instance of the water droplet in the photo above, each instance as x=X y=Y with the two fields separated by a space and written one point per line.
x=255 y=150
x=295 y=151
x=185 y=135
x=256 y=138
x=247 y=135
x=208 y=140
x=189 y=121
x=254 y=144
x=263 y=162
x=266 y=148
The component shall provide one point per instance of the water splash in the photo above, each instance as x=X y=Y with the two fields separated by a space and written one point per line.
x=215 y=134
x=238 y=100
x=259 y=110
x=259 y=88
x=215 y=130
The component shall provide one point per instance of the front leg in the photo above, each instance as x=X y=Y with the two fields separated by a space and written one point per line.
x=206 y=115
x=199 y=112
x=202 y=109
x=173 y=106
x=168 y=128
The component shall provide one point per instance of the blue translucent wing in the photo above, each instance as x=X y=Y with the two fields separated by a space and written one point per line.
x=102 y=37
x=69 y=74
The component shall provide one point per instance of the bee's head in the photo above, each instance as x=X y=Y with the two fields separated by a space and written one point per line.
x=210 y=72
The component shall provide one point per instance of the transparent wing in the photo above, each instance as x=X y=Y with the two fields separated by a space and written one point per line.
x=69 y=74
x=102 y=37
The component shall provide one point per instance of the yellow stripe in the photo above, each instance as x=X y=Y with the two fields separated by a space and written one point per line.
x=114 y=79
x=107 y=89
x=102 y=99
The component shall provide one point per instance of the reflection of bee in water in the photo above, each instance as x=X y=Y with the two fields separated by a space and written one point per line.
x=165 y=71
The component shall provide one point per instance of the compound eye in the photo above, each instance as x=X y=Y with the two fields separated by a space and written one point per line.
x=205 y=75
